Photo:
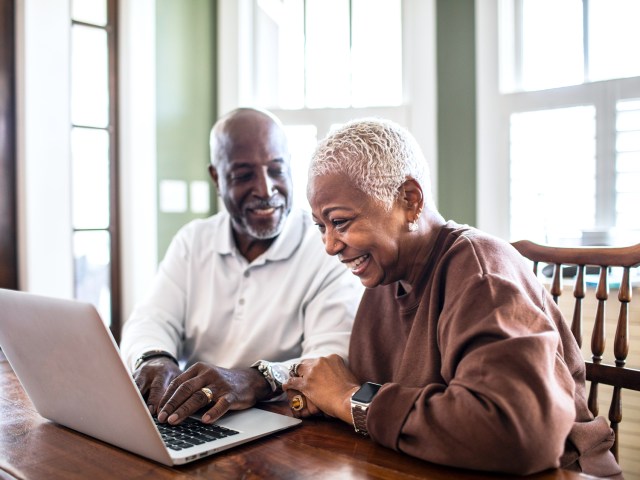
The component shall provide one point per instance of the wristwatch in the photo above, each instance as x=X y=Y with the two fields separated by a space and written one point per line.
x=360 y=402
x=152 y=354
x=275 y=373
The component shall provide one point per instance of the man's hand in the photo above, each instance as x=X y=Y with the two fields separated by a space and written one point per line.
x=153 y=378
x=235 y=389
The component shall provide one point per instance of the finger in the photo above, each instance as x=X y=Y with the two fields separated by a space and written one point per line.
x=219 y=408
x=141 y=381
x=294 y=383
x=182 y=393
x=177 y=384
x=177 y=413
x=156 y=391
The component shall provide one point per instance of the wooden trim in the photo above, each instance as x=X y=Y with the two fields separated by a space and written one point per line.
x=614 y=376
x=8 y=163
x=114 y=194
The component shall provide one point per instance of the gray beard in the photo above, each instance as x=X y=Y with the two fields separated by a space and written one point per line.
x=267 y=234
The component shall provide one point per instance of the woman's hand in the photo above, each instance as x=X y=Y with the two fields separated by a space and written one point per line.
x=326 y=384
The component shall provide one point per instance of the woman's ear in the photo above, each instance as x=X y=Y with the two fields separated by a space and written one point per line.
x=412 y=199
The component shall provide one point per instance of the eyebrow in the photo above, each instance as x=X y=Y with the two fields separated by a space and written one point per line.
x=328 y=210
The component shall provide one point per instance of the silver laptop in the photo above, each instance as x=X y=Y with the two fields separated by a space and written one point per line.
x=70 y=366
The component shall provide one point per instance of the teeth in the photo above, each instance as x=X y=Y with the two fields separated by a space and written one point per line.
x=264 y=211
x=352 y=265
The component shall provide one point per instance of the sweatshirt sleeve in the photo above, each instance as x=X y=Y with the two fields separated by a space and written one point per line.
x=506 y=399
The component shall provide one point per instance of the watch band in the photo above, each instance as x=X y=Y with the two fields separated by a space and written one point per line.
x=263 y=368
x=359 y=418
x=360 y=401
x=152 y=354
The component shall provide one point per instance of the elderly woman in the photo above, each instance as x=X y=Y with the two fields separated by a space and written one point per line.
x=458 y=355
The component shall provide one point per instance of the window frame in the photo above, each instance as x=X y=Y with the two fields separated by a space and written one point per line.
x=495 y=109
x=237 y=80
x=113 y=228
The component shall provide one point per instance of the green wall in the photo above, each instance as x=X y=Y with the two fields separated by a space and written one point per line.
x=185 y=100
x=455 y=26
x=186 y=103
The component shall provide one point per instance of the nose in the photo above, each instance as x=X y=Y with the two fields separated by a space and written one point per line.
x=332 y=245
x=264 y=186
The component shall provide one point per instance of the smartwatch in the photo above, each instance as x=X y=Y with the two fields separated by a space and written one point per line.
x=360 y=402
x=276 y=374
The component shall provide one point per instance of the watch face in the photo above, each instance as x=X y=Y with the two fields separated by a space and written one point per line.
x=280 y=373
x=366 y=393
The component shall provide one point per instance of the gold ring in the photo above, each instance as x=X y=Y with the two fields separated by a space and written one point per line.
x=207 y=393
x=297 y=403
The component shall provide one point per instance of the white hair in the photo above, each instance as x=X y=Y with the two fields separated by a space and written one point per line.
x=376 y=155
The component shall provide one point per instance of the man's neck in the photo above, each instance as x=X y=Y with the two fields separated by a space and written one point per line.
x=251 y=248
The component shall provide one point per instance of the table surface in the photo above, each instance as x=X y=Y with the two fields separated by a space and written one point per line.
x=33 y=447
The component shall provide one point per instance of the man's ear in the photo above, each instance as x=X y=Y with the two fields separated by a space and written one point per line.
x=412 y=198
x=213 y=173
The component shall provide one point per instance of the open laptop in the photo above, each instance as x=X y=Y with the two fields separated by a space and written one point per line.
x=70 y=366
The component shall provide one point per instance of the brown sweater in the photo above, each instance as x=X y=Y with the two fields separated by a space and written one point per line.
x=479 y=369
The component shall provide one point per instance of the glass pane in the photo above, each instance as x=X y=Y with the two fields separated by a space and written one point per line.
x=89 y=77
x=328 y=63
x=90 y=178
x=302 y=143
x=614 y=37
x=552 y=52
x=92 y=279
x=89 y=11
x=376 y=40
x=628 y=165
x=553 y=174
x=291 y=55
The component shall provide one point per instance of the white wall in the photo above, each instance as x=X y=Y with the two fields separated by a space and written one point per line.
x=43 y=107
x=138 y=195
x=43 y=119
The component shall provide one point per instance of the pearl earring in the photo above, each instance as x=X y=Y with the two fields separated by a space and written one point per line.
x=413 y=226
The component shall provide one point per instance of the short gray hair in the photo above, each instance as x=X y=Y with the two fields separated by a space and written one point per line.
x=376 y=155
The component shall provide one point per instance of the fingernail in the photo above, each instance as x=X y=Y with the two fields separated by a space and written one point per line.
x=172 y=418
x=162 y=417
x=206 y=418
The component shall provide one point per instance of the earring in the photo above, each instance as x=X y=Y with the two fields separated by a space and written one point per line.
x=413 y=226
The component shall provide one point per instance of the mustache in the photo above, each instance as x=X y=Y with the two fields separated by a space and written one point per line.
x=262 y=204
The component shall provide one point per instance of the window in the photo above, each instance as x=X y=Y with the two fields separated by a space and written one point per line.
x=329 y=53
x=93 y=152
x=315 y=56
x=568 y=96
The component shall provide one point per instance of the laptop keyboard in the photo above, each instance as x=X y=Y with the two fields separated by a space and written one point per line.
x=191 y=432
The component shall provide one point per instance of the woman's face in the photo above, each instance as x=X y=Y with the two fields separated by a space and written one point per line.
x=366 y=237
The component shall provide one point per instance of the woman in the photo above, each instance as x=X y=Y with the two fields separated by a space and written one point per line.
x=458 y=355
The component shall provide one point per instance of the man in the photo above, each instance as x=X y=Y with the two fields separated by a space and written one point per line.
x=242 y=295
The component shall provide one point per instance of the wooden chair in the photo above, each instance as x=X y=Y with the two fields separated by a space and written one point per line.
x=598 y=371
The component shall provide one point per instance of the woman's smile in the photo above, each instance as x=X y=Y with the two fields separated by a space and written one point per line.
x=357 y=265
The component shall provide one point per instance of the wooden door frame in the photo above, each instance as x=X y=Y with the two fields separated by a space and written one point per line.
x=8 y=135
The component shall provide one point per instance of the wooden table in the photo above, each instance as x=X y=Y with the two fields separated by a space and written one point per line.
x=34 y=448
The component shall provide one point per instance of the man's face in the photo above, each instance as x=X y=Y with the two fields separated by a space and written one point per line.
x=253 y=176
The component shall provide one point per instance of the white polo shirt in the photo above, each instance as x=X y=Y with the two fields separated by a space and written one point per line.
x=207 y=303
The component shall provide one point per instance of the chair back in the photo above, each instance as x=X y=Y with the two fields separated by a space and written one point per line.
x=599 y=370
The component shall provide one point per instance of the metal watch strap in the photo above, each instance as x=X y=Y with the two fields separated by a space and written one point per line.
x=359 y=417
x=153 y=354
x=263 y=368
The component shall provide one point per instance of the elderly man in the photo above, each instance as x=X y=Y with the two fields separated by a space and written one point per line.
x=242 y=295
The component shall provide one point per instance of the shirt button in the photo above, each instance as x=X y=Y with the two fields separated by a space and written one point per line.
x=246 y=274
x=241 y=301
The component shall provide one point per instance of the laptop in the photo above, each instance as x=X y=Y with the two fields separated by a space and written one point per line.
x=70 y=367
